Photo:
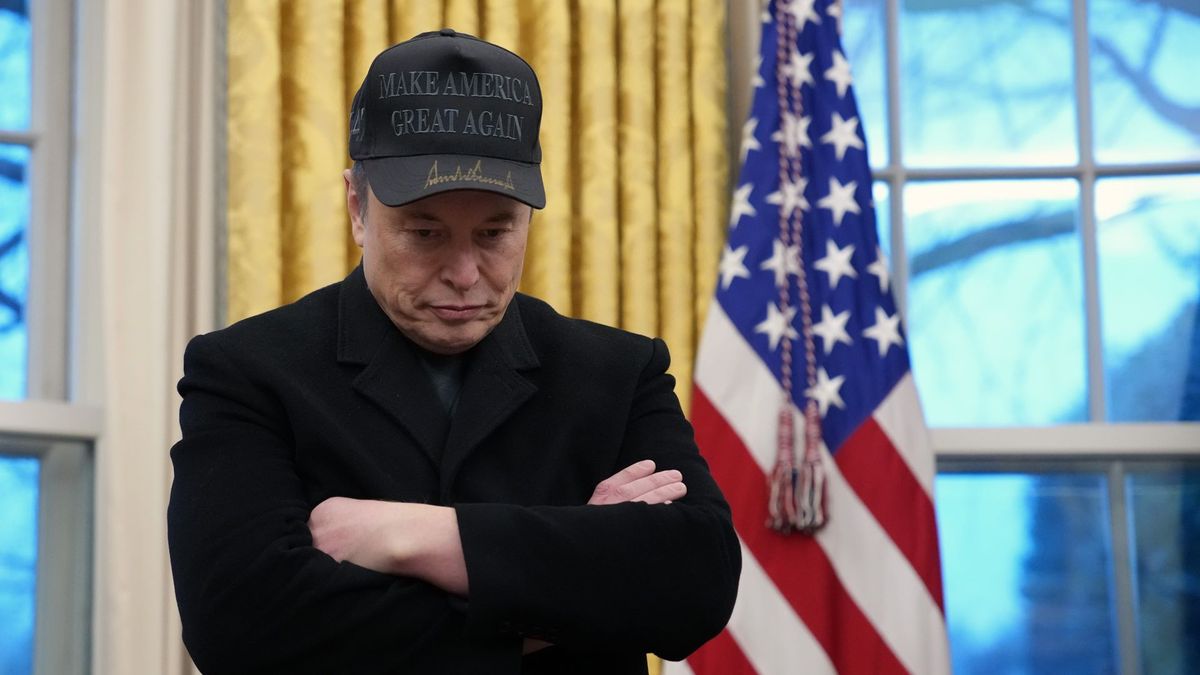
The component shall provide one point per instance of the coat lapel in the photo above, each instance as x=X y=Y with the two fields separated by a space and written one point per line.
x=393 y=378
x=493 y=389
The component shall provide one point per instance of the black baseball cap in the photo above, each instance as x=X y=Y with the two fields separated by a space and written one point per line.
x=448 y=111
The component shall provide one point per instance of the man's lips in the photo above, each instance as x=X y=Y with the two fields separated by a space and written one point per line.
x=457 y=312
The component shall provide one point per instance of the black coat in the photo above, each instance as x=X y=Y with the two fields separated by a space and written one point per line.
x=325 y=397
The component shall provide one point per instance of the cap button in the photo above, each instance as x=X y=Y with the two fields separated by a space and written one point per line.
x=448 y=32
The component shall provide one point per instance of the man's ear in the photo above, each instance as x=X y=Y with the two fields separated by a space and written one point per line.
x=354 y=204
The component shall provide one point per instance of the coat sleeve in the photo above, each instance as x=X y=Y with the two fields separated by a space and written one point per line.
x=654 y=578
x=253 y=593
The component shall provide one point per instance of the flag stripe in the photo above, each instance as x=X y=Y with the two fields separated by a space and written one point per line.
x=796 y=565
x=874 y=571
x=787 y=641
x=901 y=419
x=721 y=655
x=891 y=493
x=684 y=668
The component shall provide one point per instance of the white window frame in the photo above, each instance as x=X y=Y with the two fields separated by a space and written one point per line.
x=49 y=424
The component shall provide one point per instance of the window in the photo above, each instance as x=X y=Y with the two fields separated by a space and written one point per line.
x=1038 y=190
x=45 y=441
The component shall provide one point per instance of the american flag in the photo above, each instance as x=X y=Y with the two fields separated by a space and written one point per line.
x=863 y=594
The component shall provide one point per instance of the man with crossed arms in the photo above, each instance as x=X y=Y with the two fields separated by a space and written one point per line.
x=420 y=470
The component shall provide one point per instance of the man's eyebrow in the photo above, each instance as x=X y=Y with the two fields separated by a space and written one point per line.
x=424 y=215
x=502 y=216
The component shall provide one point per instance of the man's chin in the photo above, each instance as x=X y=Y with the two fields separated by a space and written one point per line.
x=451 y=344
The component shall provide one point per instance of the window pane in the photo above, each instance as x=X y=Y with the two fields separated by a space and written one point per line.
x=1145 y=102
x=1027 y=573
x=987 y=83
x=864 y=41
x=14 y=269
x=18 y=561
x=881 y=195
x=1165 y=512
x=995 y=301
x=14 y=65
x=1149 y=243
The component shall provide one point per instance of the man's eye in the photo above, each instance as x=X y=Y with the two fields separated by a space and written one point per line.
x=494 y=232
x=423 y=234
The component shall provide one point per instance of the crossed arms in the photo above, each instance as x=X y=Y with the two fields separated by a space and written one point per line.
x=422 y=540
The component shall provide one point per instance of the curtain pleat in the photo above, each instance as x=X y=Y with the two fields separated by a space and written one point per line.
x=710 y=120
x=463 y=16
x=638 y=156
x=595 y=123
x=546 y=35
x=501 y=25
x=675 y=198
x=412 y=17
x=633 y=139
x=314 y=141
x=255 y=261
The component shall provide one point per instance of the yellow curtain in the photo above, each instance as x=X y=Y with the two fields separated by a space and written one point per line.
x=635 y=158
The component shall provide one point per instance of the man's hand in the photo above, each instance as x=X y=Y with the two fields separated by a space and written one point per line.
x=640 y=483
x=413 y=540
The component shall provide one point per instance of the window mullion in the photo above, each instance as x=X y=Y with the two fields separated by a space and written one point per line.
x=1123 y=570
x=49 y=186
x=895 y=168
x=17 y=138
x=1097 y=403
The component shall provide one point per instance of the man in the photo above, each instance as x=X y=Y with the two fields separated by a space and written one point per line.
x=419 y=470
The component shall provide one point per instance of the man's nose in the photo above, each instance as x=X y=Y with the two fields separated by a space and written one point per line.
x=461 y=268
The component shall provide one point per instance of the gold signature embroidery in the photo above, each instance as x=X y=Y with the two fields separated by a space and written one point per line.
x=473 y=175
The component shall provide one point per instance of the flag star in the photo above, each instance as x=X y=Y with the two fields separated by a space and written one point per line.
x=741 y=204
x=842 y=135
x=789 y=196
x=839 y=74
x=777 y=324
x=804 y=11
x=793 y=133
x=733 y=265
x=749 y=141
x=783 y=261
x=886 y=331
x=832 y=328
x=836 y=263
x=798 y=69
x=880 y=269
x=835 y=10
x=764 y=15
x=840 y=199
x=758 y=78
x=827 y=391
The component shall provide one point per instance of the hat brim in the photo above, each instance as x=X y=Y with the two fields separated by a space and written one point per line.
x=400 y=180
